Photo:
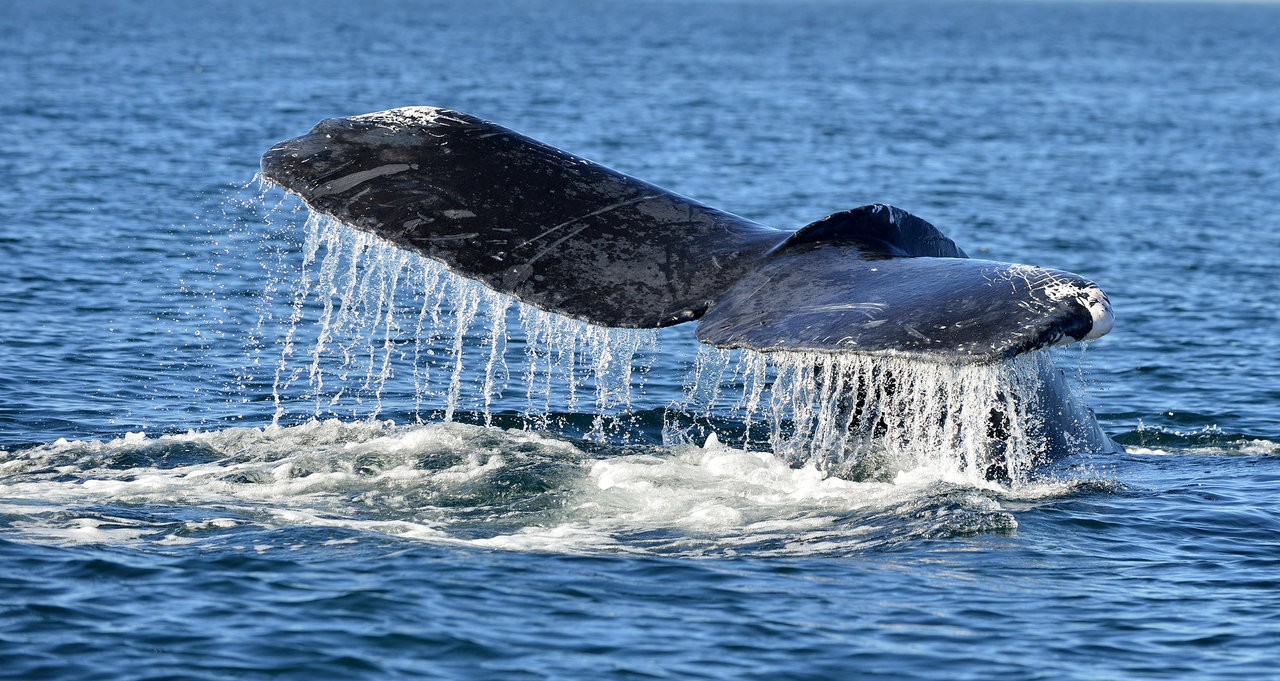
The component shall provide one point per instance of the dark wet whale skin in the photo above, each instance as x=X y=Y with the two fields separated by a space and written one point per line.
x=574 y=237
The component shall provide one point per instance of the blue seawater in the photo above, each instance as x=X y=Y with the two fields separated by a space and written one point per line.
x=179 y=498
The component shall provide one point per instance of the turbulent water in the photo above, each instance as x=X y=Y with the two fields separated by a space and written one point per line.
x=237 y=440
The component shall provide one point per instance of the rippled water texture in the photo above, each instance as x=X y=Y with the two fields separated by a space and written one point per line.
x=236 y=444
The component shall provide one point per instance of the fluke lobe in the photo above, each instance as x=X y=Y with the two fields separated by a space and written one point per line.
x=573 y=237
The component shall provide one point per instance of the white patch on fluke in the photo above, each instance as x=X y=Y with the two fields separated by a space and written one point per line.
x=350 y=181
x=407 y=117
x=1055 y=287
x=1100 y=309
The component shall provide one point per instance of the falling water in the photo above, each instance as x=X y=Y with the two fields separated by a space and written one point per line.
x=859 y=415
x=376 y=316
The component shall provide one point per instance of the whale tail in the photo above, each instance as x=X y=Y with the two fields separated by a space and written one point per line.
x=576 y=238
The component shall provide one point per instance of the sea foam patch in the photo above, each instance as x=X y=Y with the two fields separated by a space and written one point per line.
x=477 y=486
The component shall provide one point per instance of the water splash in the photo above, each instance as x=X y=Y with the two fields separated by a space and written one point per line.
x=461 y=484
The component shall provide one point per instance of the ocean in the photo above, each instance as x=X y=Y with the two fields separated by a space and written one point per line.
x=239 y=441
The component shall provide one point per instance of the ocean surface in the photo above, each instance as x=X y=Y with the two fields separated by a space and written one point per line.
x=240 y=442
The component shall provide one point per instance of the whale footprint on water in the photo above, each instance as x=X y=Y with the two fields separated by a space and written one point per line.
x=573 y=237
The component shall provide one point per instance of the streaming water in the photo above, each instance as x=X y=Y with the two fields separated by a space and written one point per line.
x=372 y=312
x=863 y=416
x=373 y=315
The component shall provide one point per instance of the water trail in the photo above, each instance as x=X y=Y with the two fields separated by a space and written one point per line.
x=854 y=415
x=465 y=307
x=423 y=340
x=391 y=327
x=283 y=376
x=383 y=324
x=495 y=369
x=328 y=272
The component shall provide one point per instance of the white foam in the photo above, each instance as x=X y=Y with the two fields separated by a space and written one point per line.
x=1260 y=447
x=453 y=483
x=1253 y=447
x=567 y=537
x=86 y=530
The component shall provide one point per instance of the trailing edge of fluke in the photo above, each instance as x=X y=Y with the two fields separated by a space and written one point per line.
x=573 y=237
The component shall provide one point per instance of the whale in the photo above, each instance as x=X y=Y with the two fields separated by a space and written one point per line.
x=573 y=237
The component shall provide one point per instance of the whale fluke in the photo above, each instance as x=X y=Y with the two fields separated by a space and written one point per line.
x=573 y=237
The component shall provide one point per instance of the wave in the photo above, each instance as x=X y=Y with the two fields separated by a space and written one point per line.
x=1206 y=440
x=488 y=487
